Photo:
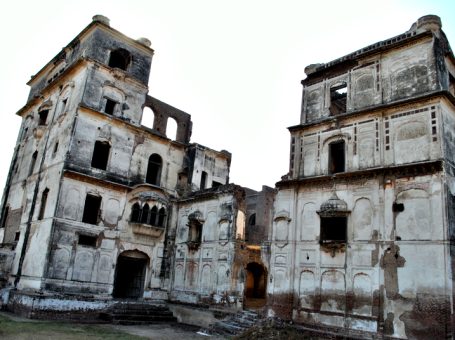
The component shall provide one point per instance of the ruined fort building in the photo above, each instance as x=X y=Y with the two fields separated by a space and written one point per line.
x=98 y=206
x=364 y=222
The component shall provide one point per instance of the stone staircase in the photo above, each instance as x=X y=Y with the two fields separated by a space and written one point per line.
x=235 y=324
x=139 y=313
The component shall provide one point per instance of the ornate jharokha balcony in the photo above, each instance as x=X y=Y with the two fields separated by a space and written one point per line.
x=147 y=229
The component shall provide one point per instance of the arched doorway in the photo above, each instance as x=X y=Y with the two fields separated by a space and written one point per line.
x=130 y=274
x=255 y=285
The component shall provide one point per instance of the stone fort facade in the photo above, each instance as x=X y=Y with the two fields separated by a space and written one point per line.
x=98 y=207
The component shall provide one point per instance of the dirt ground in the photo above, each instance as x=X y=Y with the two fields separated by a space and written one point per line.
x=13 y=327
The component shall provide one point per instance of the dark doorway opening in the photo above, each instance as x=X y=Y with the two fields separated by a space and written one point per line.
x=130 y=275
x=336 y=157
x=255 y=285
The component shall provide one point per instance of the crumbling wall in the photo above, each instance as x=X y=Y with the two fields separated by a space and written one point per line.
x=203 y=270
x=343 y=284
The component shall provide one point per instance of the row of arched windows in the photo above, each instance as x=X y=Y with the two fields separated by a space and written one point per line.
x=146 y=215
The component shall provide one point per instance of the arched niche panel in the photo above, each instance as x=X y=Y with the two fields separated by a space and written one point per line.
x=333 y=291
x=309 y=162
x=60 y=263
x=222 y=278
x=362 y=219
x=71 y=204
x=363 y=298
x=179 y=277
x=366 y=153
x=206 y=280
x=363 y=91
x=414 y=222
x=281 y=226
x=309 y=223
x=412 y=143
x=306 y=289
x=104 y=269
x=83 y=265
x=210 y=227
x=111 y=213
x=191 y=278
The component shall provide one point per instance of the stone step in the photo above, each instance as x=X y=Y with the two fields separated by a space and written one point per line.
x=143 y=316
x=139 y=311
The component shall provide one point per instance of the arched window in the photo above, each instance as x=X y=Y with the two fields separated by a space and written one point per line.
x=153 y=215
x=252 y=220
x=161 y=217
x=120 y=58
x=135 y=212
x=42 y=208
x=171 y=128
x=32 y=163
x=100 y=155
x=154 y=169
x=148 y=117
x=203 y=180
x=145 y=214
x=43 y=117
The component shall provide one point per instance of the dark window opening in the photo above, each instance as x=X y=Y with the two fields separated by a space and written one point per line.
x=135 y=212
x=338 y=96
x=216 y=184
x=203 y=180
x=120 y=59
x=17 y=235
x=145 y=214
x=91 y=209
x=252 y=220
x=109 y=108
x=55 y=147
x=153 y=215
x=87 y=240
x=43 y=117
x=63 y=107
x=336 y=157
x=5 y=217
x=452 y=84
x=161 y=217
x=194 y=234
x=195 y=222
x=100 y=155
x=32 y=163
x=42 y=208
x=397 y=207
x=333 y=229
x=154 y=170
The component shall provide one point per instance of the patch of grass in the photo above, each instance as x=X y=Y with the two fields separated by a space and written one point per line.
x=40 y=330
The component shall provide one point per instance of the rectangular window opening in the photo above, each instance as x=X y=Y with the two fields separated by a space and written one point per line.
x=337 y=157
x=42 y=208
x=87 y=240
x=43 y=117
x=91 y=209
x=203 y=180
x=109 y=108
x=100 y=155
x=338 y=97
x=333 y=230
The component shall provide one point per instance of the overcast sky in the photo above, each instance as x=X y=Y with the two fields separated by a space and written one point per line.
x=235 y=65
